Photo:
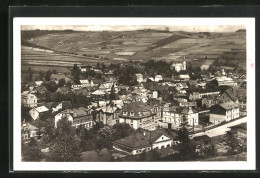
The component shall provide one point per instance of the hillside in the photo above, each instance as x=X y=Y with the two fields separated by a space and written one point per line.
x=67 y=47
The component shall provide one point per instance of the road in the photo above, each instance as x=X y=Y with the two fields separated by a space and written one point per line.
x=221 y=130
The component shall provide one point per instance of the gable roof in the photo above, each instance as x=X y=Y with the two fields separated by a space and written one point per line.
x=140 y=138
x=64 y=89
x=41 y=109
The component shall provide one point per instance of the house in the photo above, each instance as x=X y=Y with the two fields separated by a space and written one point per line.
x=29 y=100
x=177 y=115
x=85 y=68
x=64 y=90
x=184 y=77
x=57 y=77
x=83 y=91
x=78 y=116
x=179 y=65
x=188 y=104
x=84 y=83
x=29 y=131
x=223 y=80
x=138 y=115
x=40 y=89
x=208 y=101
x=226 y=96
x=98 y=94
x=139 y=78
x=224 y=112
x=181 y=86
x=158 y=78
x=62 y=105
x=194 y=96
x=204 y=66
x=36 y=113
x=108 y=114
x=38 y=83
x=193 y=83
x=142 y=141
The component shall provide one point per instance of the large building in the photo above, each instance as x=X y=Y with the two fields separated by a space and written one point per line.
x=142 y=141
x=138 y=115
x=179 y=65
x=178 y=115
x=29 y=100
x=224 y=112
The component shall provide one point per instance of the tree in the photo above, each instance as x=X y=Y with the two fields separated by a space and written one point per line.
x=41 y=75
x=48 y=75
x=186 y=147
x=31 y=151
x=66 y=144
x=76 y=75
x=112 y=93
x=62 y=82
x=30 y=78
x=51 y=86
x=25 y=114
x=74 y=69
x=122 y=130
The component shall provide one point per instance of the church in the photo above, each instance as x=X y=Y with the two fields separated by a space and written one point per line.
x=179 y=65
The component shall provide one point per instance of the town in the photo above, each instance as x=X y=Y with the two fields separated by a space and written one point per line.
x=135 y=111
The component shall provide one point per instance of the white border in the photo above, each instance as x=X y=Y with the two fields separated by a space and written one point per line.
x=86 y=166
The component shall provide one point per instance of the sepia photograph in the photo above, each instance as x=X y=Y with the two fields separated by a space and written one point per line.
x=134 y=91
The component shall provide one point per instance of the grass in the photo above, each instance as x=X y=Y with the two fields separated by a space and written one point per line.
x=134 y=45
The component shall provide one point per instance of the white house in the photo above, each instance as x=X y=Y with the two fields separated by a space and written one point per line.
x=142 y=141
x=29 y=100
x=36 y=112
x=224 y=112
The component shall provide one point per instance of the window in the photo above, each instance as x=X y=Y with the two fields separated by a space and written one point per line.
x=162 y=138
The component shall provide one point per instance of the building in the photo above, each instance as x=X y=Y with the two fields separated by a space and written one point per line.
x=142 y=141
x=36 y=113
x=108 y=114
x=138 y=115
x=78 y=116
x=158 y=78
x=64 y=90
x=184 y=77
x=179 y=65
x=57 y=77
x=29 y=131
x=29 y=100
x=224 y=112
x=61 y=106
x=139 y=78
x=208 y=101
x=177 y=115
x=226 y=96
x=223 y=80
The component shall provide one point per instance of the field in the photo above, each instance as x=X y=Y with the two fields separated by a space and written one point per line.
x=67 y=48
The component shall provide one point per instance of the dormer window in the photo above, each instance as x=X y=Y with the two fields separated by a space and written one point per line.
x=124 y=113
x=131 y=113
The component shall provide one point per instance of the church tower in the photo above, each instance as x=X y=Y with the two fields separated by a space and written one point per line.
x=184 y=63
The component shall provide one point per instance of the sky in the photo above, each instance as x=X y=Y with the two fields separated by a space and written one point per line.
x=189 y=28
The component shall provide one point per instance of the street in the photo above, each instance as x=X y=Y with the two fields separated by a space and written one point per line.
x=221 y=130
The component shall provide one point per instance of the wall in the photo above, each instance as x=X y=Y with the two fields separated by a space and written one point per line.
x=217 y=118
